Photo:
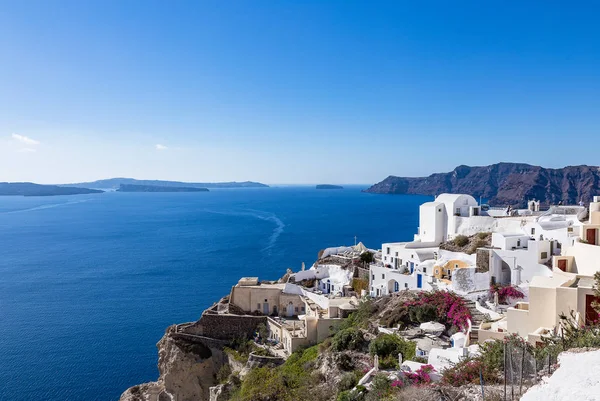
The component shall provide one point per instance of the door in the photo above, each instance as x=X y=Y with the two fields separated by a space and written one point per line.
x=419 y=281
x=266 y=308
x=412 y=267
x=591 y=236
x=590 y=314
x=290 y=310
x=562 y=264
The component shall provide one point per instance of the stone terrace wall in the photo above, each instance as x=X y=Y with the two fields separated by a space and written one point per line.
x=225 y=326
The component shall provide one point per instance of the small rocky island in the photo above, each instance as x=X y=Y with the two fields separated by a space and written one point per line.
x=30 y=189
x=157 y=188
x=329 y=186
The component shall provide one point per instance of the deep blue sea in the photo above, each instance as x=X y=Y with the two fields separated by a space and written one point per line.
x=89 y=283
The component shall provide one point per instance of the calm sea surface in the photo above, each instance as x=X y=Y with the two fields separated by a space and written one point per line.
x=89 y=283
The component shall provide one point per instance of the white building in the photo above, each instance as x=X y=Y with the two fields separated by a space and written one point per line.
x=329 y=279
x=439 y=220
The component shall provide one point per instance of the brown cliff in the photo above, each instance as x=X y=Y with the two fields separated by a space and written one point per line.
x=503 y=184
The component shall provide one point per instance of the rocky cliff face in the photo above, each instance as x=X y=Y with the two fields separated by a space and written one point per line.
x=503 y=184
x=188 y=368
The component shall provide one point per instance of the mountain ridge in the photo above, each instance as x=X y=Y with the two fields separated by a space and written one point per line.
x=503 y=183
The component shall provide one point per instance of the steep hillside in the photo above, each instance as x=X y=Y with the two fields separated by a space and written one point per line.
x=503 y=183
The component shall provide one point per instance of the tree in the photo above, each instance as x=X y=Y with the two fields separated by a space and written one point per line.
x=366 y=258
x=263 y=332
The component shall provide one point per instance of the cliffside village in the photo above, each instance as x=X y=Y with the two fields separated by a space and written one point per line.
x=549 y=256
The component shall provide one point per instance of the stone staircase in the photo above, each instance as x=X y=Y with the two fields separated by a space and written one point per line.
x=476 y=319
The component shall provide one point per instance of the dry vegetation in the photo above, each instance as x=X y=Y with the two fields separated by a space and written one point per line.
x=469 y=245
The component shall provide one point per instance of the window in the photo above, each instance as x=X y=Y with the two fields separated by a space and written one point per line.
x=457 y=211
x=570 y=229
x=258 y=306
x=518 y=242
x=532 y=231
x=455 y=266
x=383 y=276
x=437 y=271
x=400 y=262
x=388 y=250
x=424 y=270
x=373 y=277
x=296 y=309
x=439 y=210
x=303 y=309
x=396 y=254
x=544 y=255
x=266 y=300
x=405 y=285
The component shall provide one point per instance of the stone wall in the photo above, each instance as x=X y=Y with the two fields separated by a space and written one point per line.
x=260 y=360
x=225 y=326
x=483 y=260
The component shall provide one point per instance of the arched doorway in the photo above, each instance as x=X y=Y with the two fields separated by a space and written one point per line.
x=290 y=310
x=393 y=286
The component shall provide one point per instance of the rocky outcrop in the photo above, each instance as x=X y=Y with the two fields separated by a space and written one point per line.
x=188 y=367
x=503 y=184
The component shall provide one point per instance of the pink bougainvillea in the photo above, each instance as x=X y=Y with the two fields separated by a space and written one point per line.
x=420 y=376
x=451 y=309
x=505 y=293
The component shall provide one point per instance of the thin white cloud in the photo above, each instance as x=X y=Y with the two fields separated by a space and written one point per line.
x=160 y=147
x=24 y=139
x=27 y=150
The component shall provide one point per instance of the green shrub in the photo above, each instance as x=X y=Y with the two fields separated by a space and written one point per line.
x=367 y=257
x=423 y=313
x=224 y=372
x=324 y=346
x=389 y=362
x=391 y=345
x=263 y=384
x=380 y=388
x=288 y=382
x=396 y=316
x=350 y=396
x=360 y=317
x=348 y=339
x=348 y=381
x=461 y=240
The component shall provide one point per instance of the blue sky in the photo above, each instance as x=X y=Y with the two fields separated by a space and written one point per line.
x=293 y=92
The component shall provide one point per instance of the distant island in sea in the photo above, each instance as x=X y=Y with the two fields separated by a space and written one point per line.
x=118 y=184
x=329 y=186
x=115 y=183
x=157 y=188
x=30 y=189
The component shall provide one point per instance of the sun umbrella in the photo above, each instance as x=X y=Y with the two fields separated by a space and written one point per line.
x=433 y=327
